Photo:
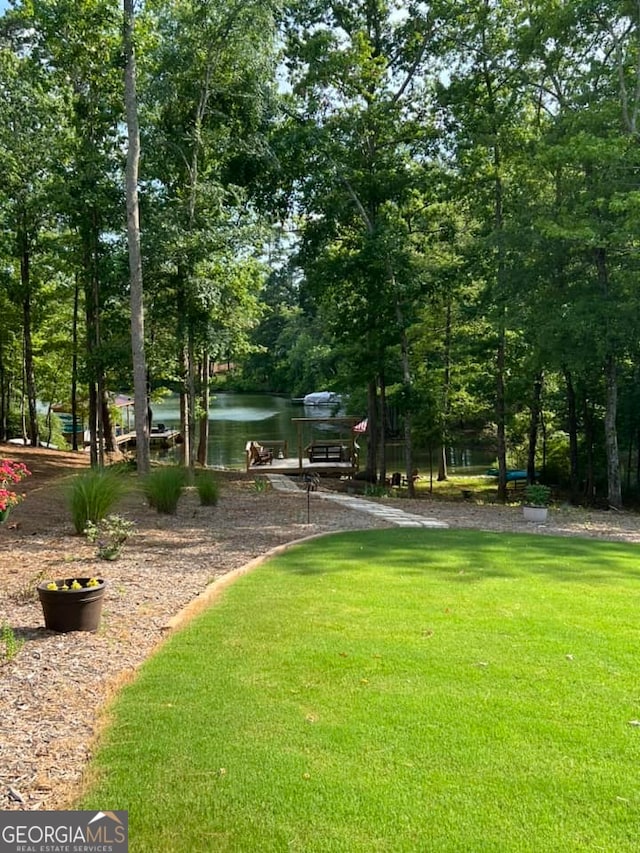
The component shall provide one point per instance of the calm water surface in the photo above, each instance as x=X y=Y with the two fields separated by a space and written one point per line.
x=235 y=419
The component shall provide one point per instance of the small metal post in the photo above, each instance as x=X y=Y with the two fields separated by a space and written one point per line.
x=311 y=483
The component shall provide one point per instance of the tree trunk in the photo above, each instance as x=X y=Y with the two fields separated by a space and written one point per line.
x=382 y=432
x=589 y=485
x=74 y=369
x=500 y=281
x=182 y=360
x=89 y=235
x=49 y=423
x=108 y=428
x=191 y=392
x=534 y=422
x=92 y=424
x=501 y=431
x=501 y=410
x=29 y=372
x=4 y=396
x=372 y=430
x=446 y=390
x=203 y=438
x=184 y=425
x=407 y=385
x=92 y=416
x=99 y=372
x=135 y=255
x=187 y=338
x=574 y=473
x=406 y=381
x=614 y=486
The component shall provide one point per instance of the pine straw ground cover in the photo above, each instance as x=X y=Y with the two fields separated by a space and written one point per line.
x=53 y=689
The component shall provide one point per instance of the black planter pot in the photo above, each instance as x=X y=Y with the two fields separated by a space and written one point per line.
x=72 y=609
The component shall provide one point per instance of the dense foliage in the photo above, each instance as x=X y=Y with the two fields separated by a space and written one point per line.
x=431 y=206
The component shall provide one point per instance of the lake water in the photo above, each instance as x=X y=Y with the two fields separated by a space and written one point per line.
x=235 y=419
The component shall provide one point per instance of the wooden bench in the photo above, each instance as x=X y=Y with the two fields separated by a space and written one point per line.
x=326 y=452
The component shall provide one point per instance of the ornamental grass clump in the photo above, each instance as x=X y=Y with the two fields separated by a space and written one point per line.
x=91 y=496
x=208 y=488
x=163 y=488
x=260 y=485
x=536 y=494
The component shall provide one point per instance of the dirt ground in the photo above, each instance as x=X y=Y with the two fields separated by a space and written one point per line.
x=54 y=687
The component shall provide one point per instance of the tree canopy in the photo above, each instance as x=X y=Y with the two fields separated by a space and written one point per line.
x=430 y=206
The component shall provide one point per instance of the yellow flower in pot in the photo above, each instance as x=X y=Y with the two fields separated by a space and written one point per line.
x=72 y=604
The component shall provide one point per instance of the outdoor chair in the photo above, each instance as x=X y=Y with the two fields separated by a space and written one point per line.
x=258 y=455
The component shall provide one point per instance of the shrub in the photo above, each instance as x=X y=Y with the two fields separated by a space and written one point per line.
x=208 y=488
x=109 y=534
x=556 y=463
x=92 y=494
x=11 y=473
x=163 y=487
x=537 y=495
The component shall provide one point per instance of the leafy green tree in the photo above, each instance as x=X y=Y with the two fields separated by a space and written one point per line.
x=133 y=241
x=487 y=99
x=358 y=125
x=81 y=45
x=205 y=103
x=32 y=131
x=589 y=154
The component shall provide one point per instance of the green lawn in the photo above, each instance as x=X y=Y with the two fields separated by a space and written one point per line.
x=394 y=690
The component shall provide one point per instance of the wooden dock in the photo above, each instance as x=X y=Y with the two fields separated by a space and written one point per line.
x=164 y=439
x=296 y=466
x=335 y=457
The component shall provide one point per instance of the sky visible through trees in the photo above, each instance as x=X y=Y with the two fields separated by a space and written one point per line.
x=437 y=215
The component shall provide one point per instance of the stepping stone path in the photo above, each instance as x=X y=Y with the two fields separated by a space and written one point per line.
x=389 y=513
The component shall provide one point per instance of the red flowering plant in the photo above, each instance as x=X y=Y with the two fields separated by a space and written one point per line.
x=11 y=473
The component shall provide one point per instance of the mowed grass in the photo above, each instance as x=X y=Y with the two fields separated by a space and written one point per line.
x=393 y=690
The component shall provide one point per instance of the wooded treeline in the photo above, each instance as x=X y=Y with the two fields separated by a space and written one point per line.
x=431 y=206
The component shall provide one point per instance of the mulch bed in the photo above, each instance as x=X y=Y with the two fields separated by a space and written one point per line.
x=53 y=691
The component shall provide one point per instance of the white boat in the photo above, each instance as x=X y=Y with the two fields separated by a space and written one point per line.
x=322 y=398
x=22 y=443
